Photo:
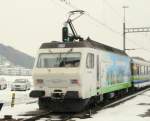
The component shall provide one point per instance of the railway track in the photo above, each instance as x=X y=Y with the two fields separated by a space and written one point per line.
x=50 y=116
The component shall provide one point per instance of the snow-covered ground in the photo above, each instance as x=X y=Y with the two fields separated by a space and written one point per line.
x=131 y=110
x=21 y=97
x=17 y=110
x=135 y=109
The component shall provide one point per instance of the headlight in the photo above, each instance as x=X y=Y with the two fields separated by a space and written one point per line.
x=39 y=81
x=75 y=81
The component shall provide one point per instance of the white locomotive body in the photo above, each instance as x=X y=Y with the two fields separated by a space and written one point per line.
x=67 y=76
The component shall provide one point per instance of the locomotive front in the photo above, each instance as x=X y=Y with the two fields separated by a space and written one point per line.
x=57 y=79
x=59 y=71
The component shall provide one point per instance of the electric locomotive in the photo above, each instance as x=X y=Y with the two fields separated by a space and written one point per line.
x=70 y=75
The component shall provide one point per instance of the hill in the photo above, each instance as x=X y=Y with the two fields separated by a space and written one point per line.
x=16 y=57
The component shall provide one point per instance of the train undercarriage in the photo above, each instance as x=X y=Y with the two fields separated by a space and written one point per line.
x=63 y=105
x=78 y=104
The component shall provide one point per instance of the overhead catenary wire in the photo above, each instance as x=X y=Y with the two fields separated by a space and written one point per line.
x=92 y=18
x=119 y=15
x=69 y=4
x=103 y=24
x=113 y=9
x=55 y=2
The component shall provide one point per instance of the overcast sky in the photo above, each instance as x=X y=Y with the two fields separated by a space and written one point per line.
x=25 y=24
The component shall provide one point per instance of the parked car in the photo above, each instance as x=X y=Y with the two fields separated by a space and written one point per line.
x=21 y=84
x=3 y=83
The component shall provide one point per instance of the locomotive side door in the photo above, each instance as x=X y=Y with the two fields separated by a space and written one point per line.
x=98 y=71
x=91 y=79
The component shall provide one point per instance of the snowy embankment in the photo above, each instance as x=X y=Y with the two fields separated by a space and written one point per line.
x=136 y=109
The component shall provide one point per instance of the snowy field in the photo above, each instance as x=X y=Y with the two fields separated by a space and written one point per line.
x=135 y=109
x=21 y=97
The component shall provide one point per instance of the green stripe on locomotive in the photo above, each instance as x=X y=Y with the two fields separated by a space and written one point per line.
x=114 y=87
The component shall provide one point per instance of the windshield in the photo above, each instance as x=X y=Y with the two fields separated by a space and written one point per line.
x=54 y=60
x=20 y=81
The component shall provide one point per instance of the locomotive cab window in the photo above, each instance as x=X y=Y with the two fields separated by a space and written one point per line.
x=59 y=60
x=90 y=60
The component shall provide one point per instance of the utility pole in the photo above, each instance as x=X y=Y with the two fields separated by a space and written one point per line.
x=124 y=28
x=130 y=30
